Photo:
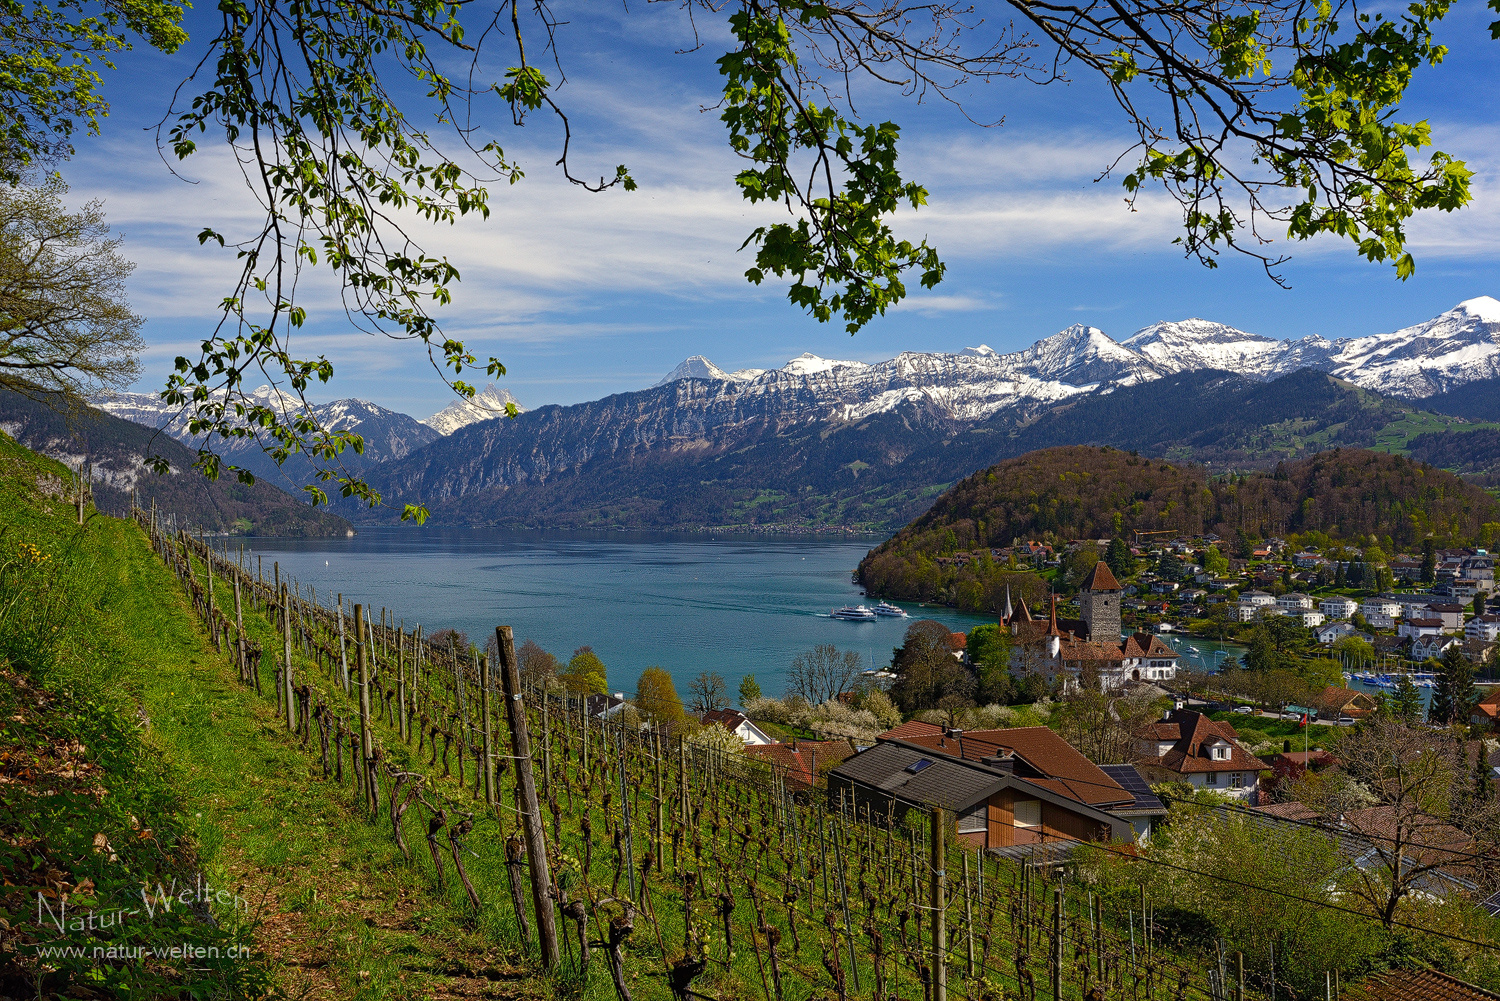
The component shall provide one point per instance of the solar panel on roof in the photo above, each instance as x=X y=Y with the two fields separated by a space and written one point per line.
x=1131 y=781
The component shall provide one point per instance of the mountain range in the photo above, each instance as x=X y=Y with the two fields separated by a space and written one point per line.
x=829 y=442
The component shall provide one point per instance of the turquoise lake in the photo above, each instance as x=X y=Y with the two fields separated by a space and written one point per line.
x=733 y=604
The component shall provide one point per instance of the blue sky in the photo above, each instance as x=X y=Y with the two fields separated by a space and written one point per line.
x=582 y=295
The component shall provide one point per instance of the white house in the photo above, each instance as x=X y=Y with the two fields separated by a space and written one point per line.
x=1418 y=628
x=1256 y=598
x=1310 y=619
x=1483 y=627
x=1432 y=647
x=1386 y=608
x=1333 y=632
x=738 y=724
x=1293 y=602
x=1338 y=608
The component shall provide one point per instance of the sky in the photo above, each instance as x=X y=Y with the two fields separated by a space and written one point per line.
x=582 y=295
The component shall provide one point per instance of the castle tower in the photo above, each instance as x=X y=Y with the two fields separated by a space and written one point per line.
x=1099 y=603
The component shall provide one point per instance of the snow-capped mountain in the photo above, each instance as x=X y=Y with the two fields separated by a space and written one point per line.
x=487 y=404
x=1458 y=347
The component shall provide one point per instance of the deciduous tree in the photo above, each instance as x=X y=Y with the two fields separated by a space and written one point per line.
x=66 y=329
x=824 y=672
x=656 y=696
x=586 y=674
x=707 y=692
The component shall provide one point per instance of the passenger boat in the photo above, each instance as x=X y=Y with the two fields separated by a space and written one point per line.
x=853 y=613
x=894 y=611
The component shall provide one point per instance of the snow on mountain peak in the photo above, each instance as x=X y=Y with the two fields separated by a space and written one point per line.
x=808 y=363
x=696 y=367
x=487 y=404
x=983 y=351
x=1484 y=307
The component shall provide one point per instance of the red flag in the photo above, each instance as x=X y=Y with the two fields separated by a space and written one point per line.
x=1304 y=720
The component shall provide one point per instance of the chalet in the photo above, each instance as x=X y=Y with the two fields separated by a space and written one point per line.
x=1432 y=647
x=1009 y=790
x=1486 y=712
x=802 y=760
x=738 y=724
x=1069 y=648
x=1333 y=632
x=1338 y=608
x=1333 y=702
x=1189 y=747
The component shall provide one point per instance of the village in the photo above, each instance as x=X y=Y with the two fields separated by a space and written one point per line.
x=1103 y=732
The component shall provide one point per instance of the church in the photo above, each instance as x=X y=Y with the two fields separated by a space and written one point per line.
x=1068 y=648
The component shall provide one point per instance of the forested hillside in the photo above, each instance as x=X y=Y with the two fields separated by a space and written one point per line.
x=1474 y=454
x=1083 y=492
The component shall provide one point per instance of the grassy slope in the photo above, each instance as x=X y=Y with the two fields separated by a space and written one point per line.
x=326 y=901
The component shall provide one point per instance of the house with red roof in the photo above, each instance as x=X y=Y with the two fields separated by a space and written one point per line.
x=1486 y=713
x=1010 y=789
x=802 y=761
x=1189 y=747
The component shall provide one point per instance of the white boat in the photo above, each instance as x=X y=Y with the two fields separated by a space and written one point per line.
x=888 y=609
x=853 y=613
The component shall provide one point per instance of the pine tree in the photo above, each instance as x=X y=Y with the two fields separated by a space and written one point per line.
x=1454 y=696
x=1484 y=777
x=1119 y=559
x=1429 y=561
x=1340 y=579
x=1405 y=702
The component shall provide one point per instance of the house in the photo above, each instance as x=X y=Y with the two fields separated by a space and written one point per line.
x=1333 y=632
x=1189 y=747
x=1338 y=608
x=1309 y=618
x=1432 y=647
x=1294 y=602
x=1307 y=559
x=1418 y=628
x=1288 y=766
x=1380 y=608
x=604 y=706
x=738 y=724
x=1257 y=598
x=1416 y=985
x=1067 y=649
x=1487 y=711
x=1479 y=651
x=1008 y=789
x=802 y=760
x=1452 y=616
x=1413 y=606
x=1483 y=627
x=1333 y=702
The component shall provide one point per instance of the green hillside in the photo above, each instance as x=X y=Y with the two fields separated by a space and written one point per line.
x=1084 y=492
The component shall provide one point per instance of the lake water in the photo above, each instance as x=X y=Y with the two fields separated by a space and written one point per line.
x=734 y=604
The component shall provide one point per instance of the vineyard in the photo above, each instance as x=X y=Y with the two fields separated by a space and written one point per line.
x=624 y=859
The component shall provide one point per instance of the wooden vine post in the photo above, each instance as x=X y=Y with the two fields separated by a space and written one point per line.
x=239 y=625
x=343 y=653
x=362 y=659
x=489 y=752
x=286 y=675
x=531 y=811
x=939 y=911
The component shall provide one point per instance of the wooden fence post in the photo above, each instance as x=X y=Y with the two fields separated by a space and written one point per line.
x=239 y=623
x=939 y=910
x=531 y=811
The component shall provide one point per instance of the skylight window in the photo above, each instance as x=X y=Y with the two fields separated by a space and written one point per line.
x=918 y=765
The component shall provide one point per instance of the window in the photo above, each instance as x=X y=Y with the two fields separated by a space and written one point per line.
x=1236 y=781
x=918 y=765
x=1027 y=813
x=1211 y=779
x=974 y=820
x=1220 y=753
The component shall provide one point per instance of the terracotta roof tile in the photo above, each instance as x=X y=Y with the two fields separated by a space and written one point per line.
x=1101 y=578
x=1416 y=985
x=1054 y=763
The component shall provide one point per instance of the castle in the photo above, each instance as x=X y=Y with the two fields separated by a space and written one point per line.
x=1068 y=648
